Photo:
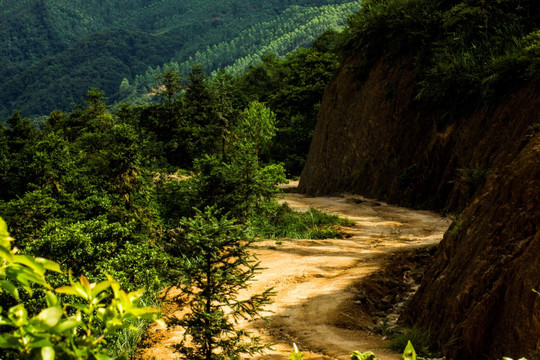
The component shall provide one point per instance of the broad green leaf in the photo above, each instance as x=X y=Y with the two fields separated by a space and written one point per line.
x=4 y=233
x=161 y=323
x=69 y=290
x=85 y=283
x=83 y=308
x=135 y=295
x=50 y=316
x=115 y=322
x=5 y=321
x=101 y=287
x=115 y=286
x=30 y=262
x=25 y=275
x=47 y=353
x=49 y=265
x=10 y=288
x=66 y=325
x=8 y=341
x=144 y=312
x=18 y=315
x=40 y=342
x=3 y=228
x=52 y=299
x=102 y=357
x=76 y=290
x=5 y=253
x=357 y=355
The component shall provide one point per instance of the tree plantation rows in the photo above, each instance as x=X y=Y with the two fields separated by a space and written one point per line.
x=54 y=50
x=296 y=27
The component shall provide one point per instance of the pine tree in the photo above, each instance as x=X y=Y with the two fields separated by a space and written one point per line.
x=217 y=263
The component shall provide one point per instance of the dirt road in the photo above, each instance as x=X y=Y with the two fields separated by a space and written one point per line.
x=318 y=301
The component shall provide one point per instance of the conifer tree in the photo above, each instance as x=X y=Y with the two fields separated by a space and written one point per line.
x=216 y=263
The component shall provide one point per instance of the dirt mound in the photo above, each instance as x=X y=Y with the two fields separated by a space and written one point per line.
x=384 y=293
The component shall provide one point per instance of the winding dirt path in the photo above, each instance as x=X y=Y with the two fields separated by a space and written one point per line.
x=316 y=280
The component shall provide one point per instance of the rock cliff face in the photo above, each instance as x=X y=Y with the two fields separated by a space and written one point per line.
x=375 y=139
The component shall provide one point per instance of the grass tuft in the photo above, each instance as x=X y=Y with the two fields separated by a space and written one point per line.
x=419 y=338
x=312 y=224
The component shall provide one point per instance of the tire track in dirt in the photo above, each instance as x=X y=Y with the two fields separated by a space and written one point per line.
x=316 y=280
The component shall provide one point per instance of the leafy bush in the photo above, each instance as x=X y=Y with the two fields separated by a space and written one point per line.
x=76 y=330
x=367 y=355
x=419 y=338
x=473 y=179
x=409 y=353
x=464 y=52
x=296 y=354
x=392 y=27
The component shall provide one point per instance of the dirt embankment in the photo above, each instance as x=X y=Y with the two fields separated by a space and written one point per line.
x=373 y=138
x=333 y=294
x=477 y=294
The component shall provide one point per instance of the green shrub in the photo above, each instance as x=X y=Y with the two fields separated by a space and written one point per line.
x=296 y=354
x=76 y=330
x=456 y=227
x=367 y=355
x=473 y=179
x=464 y=52
x=392 y=27
x=216 y=263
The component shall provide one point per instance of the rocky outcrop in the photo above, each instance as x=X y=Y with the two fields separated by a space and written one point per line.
x=373 y=138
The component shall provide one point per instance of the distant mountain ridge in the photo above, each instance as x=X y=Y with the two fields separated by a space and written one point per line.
x=54 y=50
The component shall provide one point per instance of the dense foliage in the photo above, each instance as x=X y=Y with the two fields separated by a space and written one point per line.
x=76 y=330
x=103 y=190
x=54 y=50
x=464 y=52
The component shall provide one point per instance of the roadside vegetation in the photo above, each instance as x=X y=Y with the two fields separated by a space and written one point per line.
x=463 y=52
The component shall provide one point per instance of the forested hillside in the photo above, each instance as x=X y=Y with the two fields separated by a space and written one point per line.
x=105 y=190
x=54 y=50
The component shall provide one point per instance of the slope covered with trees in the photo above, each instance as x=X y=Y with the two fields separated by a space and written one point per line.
x=54 y=50
x=90 y=189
